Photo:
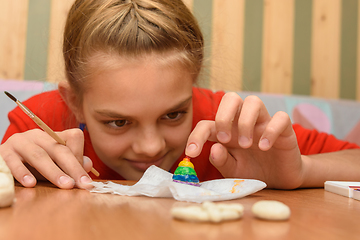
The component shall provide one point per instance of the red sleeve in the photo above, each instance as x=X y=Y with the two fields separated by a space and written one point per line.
x=313 y=142
x=205 y=104
x=48 y=106
x=18 y=123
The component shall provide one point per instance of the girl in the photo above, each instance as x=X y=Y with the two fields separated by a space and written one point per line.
x=131 y=66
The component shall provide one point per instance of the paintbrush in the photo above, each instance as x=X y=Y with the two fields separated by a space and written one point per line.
x=42 y=125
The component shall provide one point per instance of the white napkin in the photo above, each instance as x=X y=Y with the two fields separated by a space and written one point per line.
x=156 y=182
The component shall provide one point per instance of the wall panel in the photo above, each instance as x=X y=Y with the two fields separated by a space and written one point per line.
x=37 y=40
x=227 y=45
x=301 y=79
x=13 y=22
x=325 y=65
x=189 y=3
x=252 y=50
x=278 y=46
x=307 y=47
x=55 y=66
x=358 y=57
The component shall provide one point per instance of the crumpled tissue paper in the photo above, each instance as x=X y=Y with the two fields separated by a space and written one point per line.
x=157 y=182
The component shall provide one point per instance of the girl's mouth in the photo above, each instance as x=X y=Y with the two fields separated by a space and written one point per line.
x=143 y=165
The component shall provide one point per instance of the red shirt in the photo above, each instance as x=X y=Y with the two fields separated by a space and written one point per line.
x=50 y=107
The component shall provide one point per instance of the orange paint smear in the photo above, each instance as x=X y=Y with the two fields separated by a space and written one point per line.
x=237 y=183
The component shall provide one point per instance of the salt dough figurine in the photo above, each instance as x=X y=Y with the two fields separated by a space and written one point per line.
x=185 y=173
x=7 y=187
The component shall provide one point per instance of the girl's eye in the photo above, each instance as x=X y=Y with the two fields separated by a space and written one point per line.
x=117 y=123
x=174 y=115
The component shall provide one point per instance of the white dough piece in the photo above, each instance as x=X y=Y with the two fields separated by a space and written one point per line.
x=271 y=210
x=7 y=187
x=209 y=212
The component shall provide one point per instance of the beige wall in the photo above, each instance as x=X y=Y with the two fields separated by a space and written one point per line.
x=225 y=41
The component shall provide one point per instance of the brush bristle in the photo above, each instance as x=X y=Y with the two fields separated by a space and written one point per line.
x=10 y=96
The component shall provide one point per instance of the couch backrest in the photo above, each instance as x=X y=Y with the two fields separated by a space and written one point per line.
x=338 y=117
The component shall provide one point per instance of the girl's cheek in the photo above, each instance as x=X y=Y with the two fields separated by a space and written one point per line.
x=111 y=145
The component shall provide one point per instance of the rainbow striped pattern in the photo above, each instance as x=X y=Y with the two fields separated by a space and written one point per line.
x=185 y=173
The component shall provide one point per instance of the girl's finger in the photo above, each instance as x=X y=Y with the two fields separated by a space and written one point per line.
x=52 y=160
x=280 y=125
x=222 y=160
x=228 y=111
x=74 y=139
x=38 y=158
x=203 y=131
x=87 y=164
x=18 y=169
x=65 y=159
x=253 y=112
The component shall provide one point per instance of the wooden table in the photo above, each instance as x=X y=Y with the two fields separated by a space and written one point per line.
x=46 y=212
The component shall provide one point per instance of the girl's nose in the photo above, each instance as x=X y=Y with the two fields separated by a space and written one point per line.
x=149 y=142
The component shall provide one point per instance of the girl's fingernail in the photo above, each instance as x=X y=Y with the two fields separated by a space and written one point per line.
x=28 y=180
x=64 y=180
x=86 y=160
x=223 y=137
x=85 y=179
x=264 y=143
x=243 y=141
x=192 y=147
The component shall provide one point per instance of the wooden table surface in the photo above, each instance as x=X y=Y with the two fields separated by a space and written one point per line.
x=46 y=212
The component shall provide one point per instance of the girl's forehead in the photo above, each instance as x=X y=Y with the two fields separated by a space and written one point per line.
x=101 y=66
x=140 y=78
x=139 y=88
x=100 y=62
x=103 y=60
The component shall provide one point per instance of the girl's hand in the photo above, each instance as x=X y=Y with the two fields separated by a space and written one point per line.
x=250 y=143
x=35 y=155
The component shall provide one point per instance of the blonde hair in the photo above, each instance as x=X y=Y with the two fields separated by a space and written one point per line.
x=129 y=28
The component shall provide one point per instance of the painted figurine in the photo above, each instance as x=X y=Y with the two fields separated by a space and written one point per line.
x=185 y=173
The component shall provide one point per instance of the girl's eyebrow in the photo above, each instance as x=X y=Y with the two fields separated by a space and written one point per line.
x=180 y=105
x=111 y=114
